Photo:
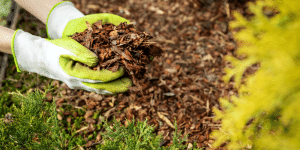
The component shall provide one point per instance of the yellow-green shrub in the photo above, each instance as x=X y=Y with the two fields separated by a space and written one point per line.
x=271 y=96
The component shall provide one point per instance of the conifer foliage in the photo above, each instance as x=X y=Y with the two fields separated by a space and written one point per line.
x=265 y=114
x=34 y=125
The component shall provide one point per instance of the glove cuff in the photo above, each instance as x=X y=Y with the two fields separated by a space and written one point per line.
x=59 y=16
x=25 y=49
x=13 y=50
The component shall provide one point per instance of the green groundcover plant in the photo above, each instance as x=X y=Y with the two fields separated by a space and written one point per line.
x=136 y=136
x=265 y=114
x=34 y=125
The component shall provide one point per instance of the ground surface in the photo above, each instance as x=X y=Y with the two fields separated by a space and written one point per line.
x=185 y=83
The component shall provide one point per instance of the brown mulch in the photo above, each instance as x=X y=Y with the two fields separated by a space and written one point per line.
x=119 y=46
x=185 y=83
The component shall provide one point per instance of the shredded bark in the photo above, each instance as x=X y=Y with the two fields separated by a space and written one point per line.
x=119 y=46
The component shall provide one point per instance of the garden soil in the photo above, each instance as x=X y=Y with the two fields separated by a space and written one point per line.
x=184 y=83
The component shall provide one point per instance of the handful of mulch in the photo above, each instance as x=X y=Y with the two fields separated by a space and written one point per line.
x=118 y=46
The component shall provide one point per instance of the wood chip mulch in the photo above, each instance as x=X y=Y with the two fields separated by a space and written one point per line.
x=185 y=83
x=119 y=46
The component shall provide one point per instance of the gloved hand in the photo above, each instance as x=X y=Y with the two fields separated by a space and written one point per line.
x=64 y=20
x=56 y=59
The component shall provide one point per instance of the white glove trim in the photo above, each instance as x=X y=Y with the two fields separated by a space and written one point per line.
x=58 y=18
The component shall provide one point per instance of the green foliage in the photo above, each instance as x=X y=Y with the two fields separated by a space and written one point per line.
x=34 y=125
x=4 y=10
x=6 y=103
x=15 y=81
x=135 y=136
x=271 y=96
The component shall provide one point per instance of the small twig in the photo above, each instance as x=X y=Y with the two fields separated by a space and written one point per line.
x=207 y=106
x=38 y=88
x=197 y=99
x=82 y=129
x=81 y=148
x=214 y=18
x=108 y=113
x=161 y=116
x=77 y=107
x=227 y=9
x=221 y=33
x=13 y=80
x=214 y=125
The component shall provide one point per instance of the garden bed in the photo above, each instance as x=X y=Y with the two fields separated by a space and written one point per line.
x=185 y=83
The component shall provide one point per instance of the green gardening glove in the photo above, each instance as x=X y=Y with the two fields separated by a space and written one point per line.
x=65 y=20
x=79 y=24
x=56 y=59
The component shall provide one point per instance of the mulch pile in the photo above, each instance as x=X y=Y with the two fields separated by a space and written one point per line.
x=117 y=46
x=185 y=83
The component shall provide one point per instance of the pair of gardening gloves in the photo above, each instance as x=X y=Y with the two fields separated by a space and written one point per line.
x=57 y=58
